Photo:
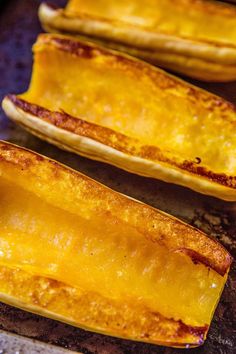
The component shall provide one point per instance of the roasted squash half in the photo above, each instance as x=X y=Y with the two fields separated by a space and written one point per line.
x=193 y=37
x=117 y=109
x=142 y=274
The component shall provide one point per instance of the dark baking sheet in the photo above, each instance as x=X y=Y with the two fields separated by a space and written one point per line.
x=19 y=27
x=14 y=344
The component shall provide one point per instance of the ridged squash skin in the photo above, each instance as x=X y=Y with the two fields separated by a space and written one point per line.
x=193 y=37
x=114 y=108
x=142 y=275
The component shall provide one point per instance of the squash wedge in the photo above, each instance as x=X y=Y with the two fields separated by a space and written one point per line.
x=193 y=37
x=117 y=109
x=141 y=275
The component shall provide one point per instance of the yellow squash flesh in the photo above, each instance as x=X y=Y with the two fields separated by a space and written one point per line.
x=193 y=37
x=117 y=109
x=141 y=275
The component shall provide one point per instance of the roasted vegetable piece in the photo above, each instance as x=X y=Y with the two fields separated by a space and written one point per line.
x=142 y=274
x=193 y=37
x=117 y=109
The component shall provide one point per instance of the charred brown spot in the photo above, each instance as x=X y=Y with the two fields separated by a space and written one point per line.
x=221 y=178
x=39 y=158
x=199 y=258
x=77 y=47
x=199 y=332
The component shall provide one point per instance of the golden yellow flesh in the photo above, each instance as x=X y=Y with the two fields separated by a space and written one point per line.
x=112 y=258
x=158 y=110
x=204 y=20
x=76 y=251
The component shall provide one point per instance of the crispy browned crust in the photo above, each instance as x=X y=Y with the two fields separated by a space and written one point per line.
x=120 y=141
x=151 y=222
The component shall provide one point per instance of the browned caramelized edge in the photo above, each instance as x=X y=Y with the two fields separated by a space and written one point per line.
x=215 y=255
x=89 y=49
x=119 y=141
x=195 y=256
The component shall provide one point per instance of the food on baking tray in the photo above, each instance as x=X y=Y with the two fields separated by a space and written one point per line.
x=117 y=109
x=142 y=275
x=193 y=37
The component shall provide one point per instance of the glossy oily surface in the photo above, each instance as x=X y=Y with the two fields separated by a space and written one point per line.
x=158 y=110
x=148 y=267
x=214 y=216
x=147 y=121
x=79 y=243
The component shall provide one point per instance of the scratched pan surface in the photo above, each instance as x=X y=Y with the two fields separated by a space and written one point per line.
x=18 y=29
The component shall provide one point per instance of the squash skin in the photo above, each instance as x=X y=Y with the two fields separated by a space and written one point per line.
x=48 y=295
x=207 y=59
x=109 y=145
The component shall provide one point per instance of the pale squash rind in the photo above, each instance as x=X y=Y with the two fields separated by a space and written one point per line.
x=108 y=145
x=207 y=61
x=85 y=146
